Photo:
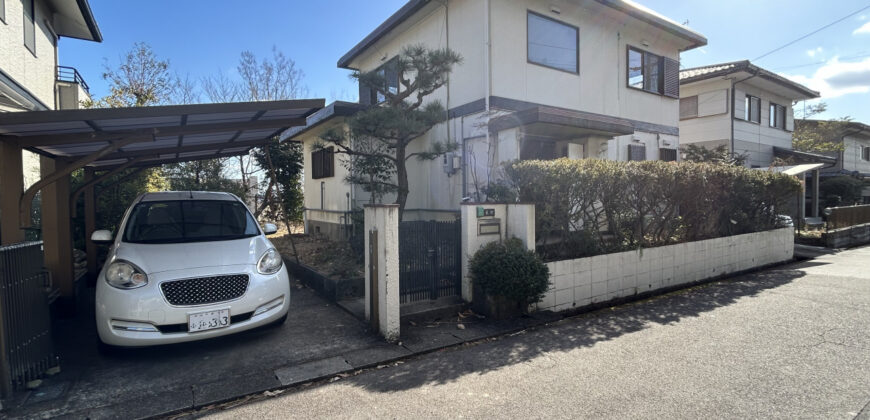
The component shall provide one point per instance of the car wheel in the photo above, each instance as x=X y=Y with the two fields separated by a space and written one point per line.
x=107 y=350
x=278 y=322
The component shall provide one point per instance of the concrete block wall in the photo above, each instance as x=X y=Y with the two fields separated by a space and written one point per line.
x=848 y=237
x=585 y=281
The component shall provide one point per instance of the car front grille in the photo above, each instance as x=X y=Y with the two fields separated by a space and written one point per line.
x=203 y=290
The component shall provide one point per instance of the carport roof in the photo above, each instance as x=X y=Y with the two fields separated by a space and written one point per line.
x=152 y=136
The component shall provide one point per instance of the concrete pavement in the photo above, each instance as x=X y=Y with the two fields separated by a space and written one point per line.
x=790 y=342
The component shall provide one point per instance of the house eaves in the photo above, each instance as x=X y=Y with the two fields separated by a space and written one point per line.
x=333 y=110
x=74 y=19
x=625 y=6
x=697 y=74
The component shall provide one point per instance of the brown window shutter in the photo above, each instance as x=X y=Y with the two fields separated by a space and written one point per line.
x=672 y=78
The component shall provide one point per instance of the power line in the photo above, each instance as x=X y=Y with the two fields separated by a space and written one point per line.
x=812 y=33
x=820 y=62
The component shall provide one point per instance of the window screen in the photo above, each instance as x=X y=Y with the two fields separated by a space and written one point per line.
x=552 y=43
x=29 y=25
x=689 y=107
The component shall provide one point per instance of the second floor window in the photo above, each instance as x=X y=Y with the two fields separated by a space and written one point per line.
x=689 y=107
x=752 y=109
x=777 y=116
x=29 y=25
x=372 y=95
x=653 y=73
x=552 y=43
x=322 y=163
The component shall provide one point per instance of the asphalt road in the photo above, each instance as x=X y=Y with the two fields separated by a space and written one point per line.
x=791 y=342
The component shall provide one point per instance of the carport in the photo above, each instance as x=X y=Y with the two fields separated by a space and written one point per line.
x=104 y=142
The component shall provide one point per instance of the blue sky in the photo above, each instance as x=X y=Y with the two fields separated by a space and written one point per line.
x=201 y=37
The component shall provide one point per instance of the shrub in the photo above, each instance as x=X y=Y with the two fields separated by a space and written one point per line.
x=840 y=191
x=509 y=270
x=592 y=206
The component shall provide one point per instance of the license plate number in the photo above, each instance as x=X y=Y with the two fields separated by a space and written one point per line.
x=210 y=320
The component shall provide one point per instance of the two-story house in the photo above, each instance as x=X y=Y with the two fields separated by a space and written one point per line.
x=539 y=80
x=742 y=106
x=854 y=157
x=30 y=77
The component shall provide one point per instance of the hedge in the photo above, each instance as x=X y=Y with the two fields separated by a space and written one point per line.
x=591 y=206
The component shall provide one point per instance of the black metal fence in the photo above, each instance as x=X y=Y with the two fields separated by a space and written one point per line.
x=429 y=260
x=26 y=329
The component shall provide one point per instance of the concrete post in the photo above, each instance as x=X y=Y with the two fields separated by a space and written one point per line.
x=57 y=232
x=497 y=222
x=11 y=188
x=382 y=268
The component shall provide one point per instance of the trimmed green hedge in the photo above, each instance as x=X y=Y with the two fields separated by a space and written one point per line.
x=509 y=270
x=591 y=206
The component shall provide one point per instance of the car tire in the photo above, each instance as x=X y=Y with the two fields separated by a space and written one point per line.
x=107 y=350
x=278 y=322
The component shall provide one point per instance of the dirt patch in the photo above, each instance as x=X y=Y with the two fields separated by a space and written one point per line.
x=335 y=259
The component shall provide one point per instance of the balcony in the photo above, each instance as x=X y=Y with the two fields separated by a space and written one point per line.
x=72 y=89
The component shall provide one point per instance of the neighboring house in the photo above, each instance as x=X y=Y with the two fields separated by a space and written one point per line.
x=539 y=80
x=30 y=78
x=742 y=106
x=854 y=159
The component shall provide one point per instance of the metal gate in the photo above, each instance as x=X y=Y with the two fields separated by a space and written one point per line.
x=25 y=346
x=429 y=260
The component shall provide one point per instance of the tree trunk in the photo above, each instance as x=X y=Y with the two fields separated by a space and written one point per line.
x=402 y=178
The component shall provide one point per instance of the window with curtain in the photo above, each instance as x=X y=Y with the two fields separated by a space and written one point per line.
x=552 y=43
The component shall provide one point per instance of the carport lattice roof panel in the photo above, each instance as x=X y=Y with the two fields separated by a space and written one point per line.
x=155 y=135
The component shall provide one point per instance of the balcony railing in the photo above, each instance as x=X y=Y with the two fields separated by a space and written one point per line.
x=71 y=75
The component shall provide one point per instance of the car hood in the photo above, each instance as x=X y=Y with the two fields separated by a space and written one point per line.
x=156 y=258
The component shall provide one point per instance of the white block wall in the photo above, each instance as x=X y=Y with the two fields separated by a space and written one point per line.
x=584 y=281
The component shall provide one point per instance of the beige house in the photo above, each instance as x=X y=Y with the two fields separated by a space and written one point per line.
x=742 y=106
x=30 y=77
x=539 y=80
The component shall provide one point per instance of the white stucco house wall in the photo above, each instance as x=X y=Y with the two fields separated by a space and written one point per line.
x=30 y=77
x=539 y=80
x=742 y=106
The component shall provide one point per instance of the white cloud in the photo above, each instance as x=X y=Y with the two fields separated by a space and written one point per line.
x=837 y=78
x=812 y=53
x=864 y=29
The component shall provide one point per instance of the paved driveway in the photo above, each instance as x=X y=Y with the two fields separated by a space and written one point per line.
x=155 y=380
x=792 y=342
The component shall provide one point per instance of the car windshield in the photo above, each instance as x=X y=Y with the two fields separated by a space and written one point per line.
x=161 y=222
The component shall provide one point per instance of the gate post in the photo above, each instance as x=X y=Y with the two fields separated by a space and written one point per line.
x=483 y=223
x=382 y=268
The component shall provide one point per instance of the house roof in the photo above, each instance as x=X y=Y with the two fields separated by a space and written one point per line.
x=803 y=156
x=74 y=19
x=794 y=170
x=152 y=136
x=852 y=127
x=696 y=74
x=626 y=6
x=333 y=110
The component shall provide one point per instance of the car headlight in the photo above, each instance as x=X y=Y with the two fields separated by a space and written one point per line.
x=125 y=275
x=270 y=262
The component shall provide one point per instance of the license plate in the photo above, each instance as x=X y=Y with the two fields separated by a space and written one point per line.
x=210 y=320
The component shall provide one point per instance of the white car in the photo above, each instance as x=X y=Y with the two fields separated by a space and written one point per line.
x=188 y=266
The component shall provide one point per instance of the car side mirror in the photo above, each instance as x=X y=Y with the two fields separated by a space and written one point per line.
x=270 y=228
x=102 y=237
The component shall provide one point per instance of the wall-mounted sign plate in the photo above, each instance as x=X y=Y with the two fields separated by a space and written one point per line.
x=489 y=227
x=482 y=212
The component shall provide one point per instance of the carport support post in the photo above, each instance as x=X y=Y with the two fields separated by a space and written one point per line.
x=90 y=223
x=815 y=193
x=382 y=222
x=57 y=232
x=11 y=188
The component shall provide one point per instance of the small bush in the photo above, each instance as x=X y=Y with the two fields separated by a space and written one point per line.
x=509 y=270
